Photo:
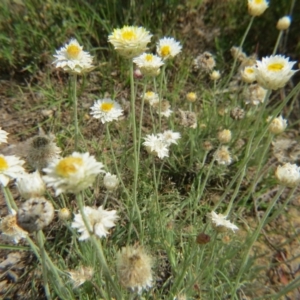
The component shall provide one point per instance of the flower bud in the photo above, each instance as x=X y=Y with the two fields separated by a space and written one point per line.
x=284 y=23
x=64 y=214
x=191 y=97
x=288 y=174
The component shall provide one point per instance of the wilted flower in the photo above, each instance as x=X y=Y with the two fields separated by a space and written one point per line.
x=151 y=97
x=110 y=181
x=35 y=214
x=254 y=94
x=41 y=150
x=248 y=74
x=220 y=223
x=223 y=156
x=106 y=110
x=99 y=222
x=284 y=23
x=80 y=275
x=30 y=185
x=164 y=108
x=237 y=53
x=205 y=62
x=72 y=174
x=273 y=72
x=10 y=167
x=207 y=146
x=277 y=125
x=191 y=97
x=134 y=269
x=169 y=137
x=11 y=229
x=167 y=47
x=71 y=58
x=215 y=75
x=237 y=113
x=288 y=174
x=149 y=64
x=156 y=145
x=224 y=136
x=188 y=119
x=3 y=136
x=130 y=41
x=257 y=7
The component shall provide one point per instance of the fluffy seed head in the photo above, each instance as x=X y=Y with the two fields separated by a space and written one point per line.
x=288 y=174
x=188 y=119
x=130 y=41
x=80 y=275
x=237 y=53
x=205 y=62
x=224 y=136
x=277 y=125
x=284 y=23
x=134 y=268
x=257 y=7
x=35 y=214
x=237 y=113
x=273 y=72
x=254 y=94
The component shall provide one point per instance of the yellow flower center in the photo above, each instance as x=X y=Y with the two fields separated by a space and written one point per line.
x=165 y=50
x=128 y=35
x=149 y=57
x=73 y=51
x=249 y=70
x=149 y=94
x=106 y=106
x=3 y=164
x=68 y=166
x=258 y=1
x=275 y=67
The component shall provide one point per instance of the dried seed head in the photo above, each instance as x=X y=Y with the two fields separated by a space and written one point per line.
x=35 y=214
x=207 y=145
x=205 y=62
x=41 y=150
x=202 y=238
x=188 y=119
x=134 y=268
x=223 y=156
x=237 y=53
x=224 y=136
x=237 y=113
x=80 y=276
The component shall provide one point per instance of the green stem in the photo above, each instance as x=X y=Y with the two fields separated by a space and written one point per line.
x=9 y=199
x=74 y=78
x=277 y=42
x=44 y=266
x=253 y=239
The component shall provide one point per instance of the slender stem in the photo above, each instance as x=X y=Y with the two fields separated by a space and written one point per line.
x=9 y=199
x=253 y=239
x=162 y=75
x=44 y=266
x=240 y=49
x=74 y=78
x=277 y=42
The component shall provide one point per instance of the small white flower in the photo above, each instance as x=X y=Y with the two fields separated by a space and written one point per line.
x=106 y=110
x=110 y=181
x=149 y=64
x=277 y=125
x=10 y=229
x=99 y=222
x=248 y=74
x=284 y=23
x=219 y=222
x=168 y=47
x=151 y=97
x=30 y=185
x=223 y=156
x=71 y=58
x=154 y=144
x=273 y=72
x=3 y=136
x=257 y=7
x=130 y=41
x=72 y=174
x=169 y=137
x=10 y=167
x=288 y=174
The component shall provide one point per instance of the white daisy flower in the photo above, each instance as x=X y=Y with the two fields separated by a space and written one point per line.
x=168 y=47
x=169 y=137
x=154 y=144
x=71 y=58
x=3 y=136
x=257 y=7
x=10 y=228
x=149 y=64
x=277 y=125
x=220 y=223
x=110 y=181
x=106 y=110
x=31 y=185
x=273 y=72
x=72 y=174
x=99 y=221
x=130 y=41
x=248 y=74
x=288 y=174
x=10 y=167
x=223 y=156
x=284 y=23
x=151 y=97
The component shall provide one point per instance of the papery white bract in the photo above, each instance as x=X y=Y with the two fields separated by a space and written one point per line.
x=288 y=174
x=257 y=7
x=219 y=220
x=168 y=47
x=10 y=167
x=149 y=64
x=3 y=136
